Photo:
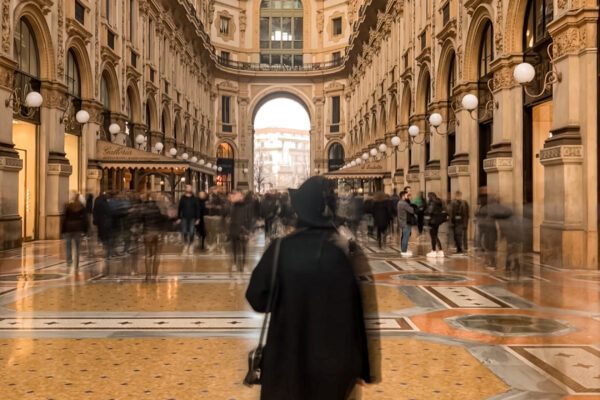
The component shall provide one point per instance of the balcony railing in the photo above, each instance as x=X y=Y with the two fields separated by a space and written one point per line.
x=247 y=66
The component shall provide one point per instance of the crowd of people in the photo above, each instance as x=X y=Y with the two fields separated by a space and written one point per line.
x=217 y=221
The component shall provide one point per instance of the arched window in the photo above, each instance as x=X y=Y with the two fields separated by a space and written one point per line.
x=224 y=151
x=486 y=50
x=72 y=75
x=104 y=93
x=335 y=157
x=281 y=32
x=451 y=77
x=539 y=14
x=26 y=50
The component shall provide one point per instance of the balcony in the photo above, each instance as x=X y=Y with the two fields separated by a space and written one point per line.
x=247 y=66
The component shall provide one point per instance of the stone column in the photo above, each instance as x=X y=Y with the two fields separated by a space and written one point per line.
x=90 y=133
x=10 y=165
x=569 y=236
x=54 y=166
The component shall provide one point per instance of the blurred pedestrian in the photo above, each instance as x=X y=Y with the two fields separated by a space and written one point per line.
x=201 y=227
x=153 y=226
x=421 y=204
x=74 y=226
x=188 y=215
x=437 y=216
x=239 y=230
x=103 y=219
x=382 y=214
x=459 y=216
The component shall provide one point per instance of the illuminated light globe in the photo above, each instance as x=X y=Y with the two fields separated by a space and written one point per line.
x=524 y=73
x=194 y=159
x=33 y=100
x=215 y=167
x=413 y=131
x=353 y=163
x=82 y=116
x=382 y=148
x=365 y=156
x=220 y=169
x=139 y=139
x=245 y=170
x=358 y=161
x=395 y=141
x=373 y=152
x=114 y=129
x=185 y=156
x=201 y=162
x=470 y=102
x=208 y=165
x=159 y=146
x=173 y=151
x=435 y=120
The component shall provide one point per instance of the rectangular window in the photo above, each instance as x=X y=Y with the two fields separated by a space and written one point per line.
x=337 y=26
x=131 y=20
x=107 y=10
x=150 y=34
x=224 y=26
x=225 y=100
x=298 y=60
x=335 y=110
x=286 y=59
x=224 y=59
x=110 y=38
x=446 y=14
x=423 y=39
x=265 y=59
x=79 y=13
x=336 y=56
x=264 y=32
x=275 y=59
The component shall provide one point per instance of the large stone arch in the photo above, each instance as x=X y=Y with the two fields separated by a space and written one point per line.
x=135 y=102
x=392 y=119
x=423 y=82
x=108 y=71
x=77 y=45
x=32 y=13
x=515 y=23
x=446 y=57
x=481 y=16
x=278 y=92
x=231 y=143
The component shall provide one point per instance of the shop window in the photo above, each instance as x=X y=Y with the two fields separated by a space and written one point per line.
x=335 y=157
x=335 y=114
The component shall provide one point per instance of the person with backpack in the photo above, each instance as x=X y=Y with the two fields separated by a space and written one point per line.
x=407 y=218
x=437 y=216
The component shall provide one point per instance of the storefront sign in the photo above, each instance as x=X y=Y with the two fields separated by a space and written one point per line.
x=107 y=151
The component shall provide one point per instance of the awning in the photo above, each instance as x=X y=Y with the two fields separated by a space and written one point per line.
x=371 y=170
x=110 y=155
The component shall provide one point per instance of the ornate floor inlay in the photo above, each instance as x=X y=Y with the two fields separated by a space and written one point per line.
x=30 y=277
x=511 y=325
x=431 y=278
x=577 y=367
x=465 y=297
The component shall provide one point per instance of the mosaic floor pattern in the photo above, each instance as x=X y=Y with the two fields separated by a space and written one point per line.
x=451 y=329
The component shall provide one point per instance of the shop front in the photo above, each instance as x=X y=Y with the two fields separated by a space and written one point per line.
x=364 y=178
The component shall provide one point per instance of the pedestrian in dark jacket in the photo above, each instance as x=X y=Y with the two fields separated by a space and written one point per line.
x=188 y=215
x=459 y=216
x=316 y=345
x=103 y=219
x=437 y=216
x=382 y=214
x=201 y=227
x=74 y=226
x=239 y=230
x=153 y=226
x=406 y=219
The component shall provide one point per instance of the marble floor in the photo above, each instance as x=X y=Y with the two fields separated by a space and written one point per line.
x=451 y=328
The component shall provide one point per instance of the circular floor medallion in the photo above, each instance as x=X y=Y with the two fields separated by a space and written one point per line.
x=511 y=325
x=29 y=277
x=431 y=278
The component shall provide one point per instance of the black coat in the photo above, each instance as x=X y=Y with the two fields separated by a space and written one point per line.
x=74 y=219
x=103 y=218
x=316 y=344
x=382 y=213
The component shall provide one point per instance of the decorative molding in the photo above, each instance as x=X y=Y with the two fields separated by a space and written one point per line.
x=567 y=154
x=497 y=164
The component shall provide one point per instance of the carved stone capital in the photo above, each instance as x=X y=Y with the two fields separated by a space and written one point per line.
x=567 y=154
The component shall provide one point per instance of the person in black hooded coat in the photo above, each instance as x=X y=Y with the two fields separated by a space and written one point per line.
x=316 y=346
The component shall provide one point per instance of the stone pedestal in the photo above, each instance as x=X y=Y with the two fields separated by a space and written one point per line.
x=499 y=169
x=433 y=178
x=10 y=220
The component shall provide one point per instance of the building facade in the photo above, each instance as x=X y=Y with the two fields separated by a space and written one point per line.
x=191 y=75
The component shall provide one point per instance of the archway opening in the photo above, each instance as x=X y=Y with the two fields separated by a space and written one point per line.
x=281 y=144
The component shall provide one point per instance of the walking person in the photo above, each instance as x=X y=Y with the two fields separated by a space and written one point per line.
x=421 y=204
x=153 y=225
x=188 y=215
x=201 y=227
x=103 y=219
x=459 y=216
x=74 y=226
x=316 y=346
x=407 y=217
x=239 y=230
x=382 y=214
x=437 y=216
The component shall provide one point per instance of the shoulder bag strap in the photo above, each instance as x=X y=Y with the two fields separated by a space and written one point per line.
x=271 y=290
